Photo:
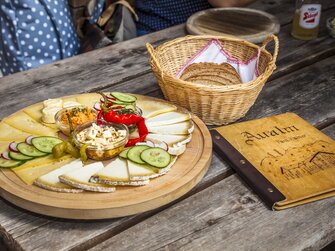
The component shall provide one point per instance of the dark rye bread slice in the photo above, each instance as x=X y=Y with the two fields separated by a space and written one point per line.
x=211 y=74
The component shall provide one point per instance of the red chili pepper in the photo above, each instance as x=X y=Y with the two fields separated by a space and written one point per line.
x=110 y=115
x=99 y=117
x=127 y=119
x=142 y=131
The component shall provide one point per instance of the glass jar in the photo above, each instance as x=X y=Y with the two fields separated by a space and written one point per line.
x=306 y=19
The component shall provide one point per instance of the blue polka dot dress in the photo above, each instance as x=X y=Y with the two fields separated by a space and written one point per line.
x=160 y=14
x=35 y=32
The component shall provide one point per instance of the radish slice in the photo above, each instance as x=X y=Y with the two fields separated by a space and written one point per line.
x=12 y=147
x=28 y=139
x=5 y=155
x=163 y=145
x=110 y=98
x=150 y=143
x=97 y=106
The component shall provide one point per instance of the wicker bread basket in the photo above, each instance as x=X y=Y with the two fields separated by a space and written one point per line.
x=215 y=105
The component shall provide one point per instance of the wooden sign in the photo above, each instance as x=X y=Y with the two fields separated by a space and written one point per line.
x=244 y=23
x=285 y=159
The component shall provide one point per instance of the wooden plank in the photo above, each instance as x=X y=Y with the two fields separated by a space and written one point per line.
x=115 y=64
x=229 y=216
x=60 y=233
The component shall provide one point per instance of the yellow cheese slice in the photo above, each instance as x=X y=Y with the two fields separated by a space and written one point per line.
x=9 y=133
x=88 y=99
x=153 y=108
x=67 y=99
x=32 y=169
x=167 y=119
x=24 y=122
x=35 y=112
x=4 y=146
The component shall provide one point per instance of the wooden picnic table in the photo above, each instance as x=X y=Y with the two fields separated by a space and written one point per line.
x=221 y=212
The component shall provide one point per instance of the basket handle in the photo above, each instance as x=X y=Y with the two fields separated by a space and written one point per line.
x=276 y=48
x=151 y=51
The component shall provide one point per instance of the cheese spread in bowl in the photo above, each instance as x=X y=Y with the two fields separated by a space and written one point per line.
x=104 y=140
x=77 y=115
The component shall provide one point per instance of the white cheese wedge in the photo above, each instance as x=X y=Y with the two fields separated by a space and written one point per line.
x=167 y=119
x=48 y=114
x=177 y=149
x=67 y=104
x=153 y=108
x=80 y=178
x=182 y=128
x=50 y=181
x=139 y=172
x=55 y=102
x=171 y=140
x=116 y=173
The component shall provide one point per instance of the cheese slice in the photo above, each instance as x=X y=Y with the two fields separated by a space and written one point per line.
x=169 y=139
x=9 y=133
x=153 y=108
x=55 y=102
x=67 y=104
x=48 y=114
x=139 y=172
x=116 y=173
x=50 y=180
x=4 y=146
x=167 y=119
x=88 y=99
x=182 y=128
x=34 y=111
x=67 y=99
x=22 y=121
x=32 y=169
x=80 y=178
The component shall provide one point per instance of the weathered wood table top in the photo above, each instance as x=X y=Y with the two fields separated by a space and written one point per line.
x=221 y=212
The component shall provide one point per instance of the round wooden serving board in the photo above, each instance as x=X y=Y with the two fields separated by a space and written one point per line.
x=188 y=170
x=247 y=24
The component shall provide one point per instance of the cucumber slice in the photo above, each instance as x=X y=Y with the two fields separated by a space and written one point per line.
x=19 y=156
x=124 y=152
x=134 y=154
x=156 y=157
x=29 y=150
x=4 y=163
x=119 y=102
x=126 y=98
x=45 y=143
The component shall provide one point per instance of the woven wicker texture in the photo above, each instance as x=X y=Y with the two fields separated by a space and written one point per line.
x=214 y=104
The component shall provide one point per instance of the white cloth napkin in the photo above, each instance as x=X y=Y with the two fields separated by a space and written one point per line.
x=213 y=52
